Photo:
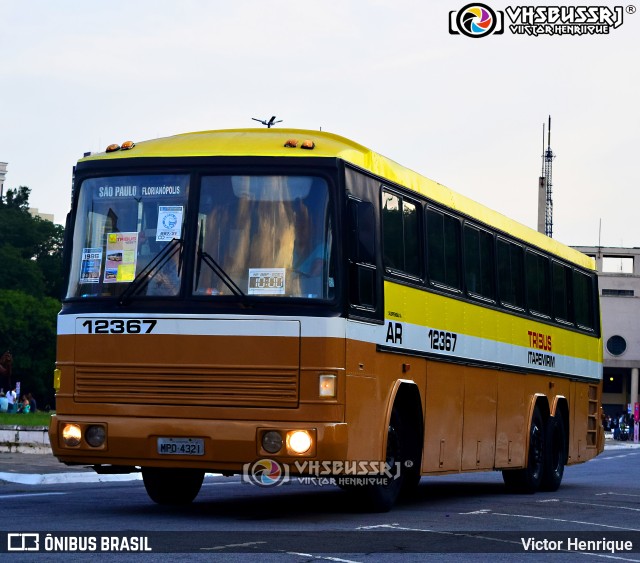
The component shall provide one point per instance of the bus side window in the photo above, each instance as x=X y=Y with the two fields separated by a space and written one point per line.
x=479 y=263
x=562 y=292
x=583 y=291
x=538 y=283
x=443 y=249
x=362 y=255
x=511 y=274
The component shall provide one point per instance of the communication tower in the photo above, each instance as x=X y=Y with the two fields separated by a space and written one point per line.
x=545 y=187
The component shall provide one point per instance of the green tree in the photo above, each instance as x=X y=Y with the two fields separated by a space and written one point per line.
x=18 y=198
x=28 y=330
x=30 y=248
x=30 y=289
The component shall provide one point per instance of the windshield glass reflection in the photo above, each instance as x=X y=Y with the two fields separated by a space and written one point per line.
x=271 y=235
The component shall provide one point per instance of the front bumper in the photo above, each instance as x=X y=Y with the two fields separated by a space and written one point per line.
x=228 y=444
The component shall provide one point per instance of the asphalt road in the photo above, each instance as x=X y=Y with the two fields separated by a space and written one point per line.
x=467 y=516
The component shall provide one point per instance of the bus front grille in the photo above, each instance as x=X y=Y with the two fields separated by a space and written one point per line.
x=188 y=385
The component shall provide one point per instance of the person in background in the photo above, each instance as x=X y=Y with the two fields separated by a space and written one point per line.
x=11 y=400
x=24 y=407
x=3 y=401
x=32 y=402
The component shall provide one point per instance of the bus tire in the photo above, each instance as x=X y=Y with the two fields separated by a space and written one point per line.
x=381 y=497
x=555 y=456
x=172 y=486
x=529 y=479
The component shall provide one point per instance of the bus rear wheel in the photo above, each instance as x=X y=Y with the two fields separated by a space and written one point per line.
x=555 y=457
x=529 y=479
x=172 y=486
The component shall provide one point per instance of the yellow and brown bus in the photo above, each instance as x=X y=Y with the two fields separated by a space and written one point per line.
x=290 y=297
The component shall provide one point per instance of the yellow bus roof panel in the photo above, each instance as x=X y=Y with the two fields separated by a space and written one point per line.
x=271 y=143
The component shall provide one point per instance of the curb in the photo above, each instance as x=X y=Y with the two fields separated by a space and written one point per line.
x=35 y=440
x=24 y=439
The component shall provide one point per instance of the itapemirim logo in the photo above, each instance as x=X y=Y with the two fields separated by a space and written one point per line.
x=480 y=20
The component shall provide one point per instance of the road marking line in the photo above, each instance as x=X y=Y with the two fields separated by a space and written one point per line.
x=442 y=532
x=592 y=504
x=567 y=521
x=22 y=495
x=618 y=494
x=246 y=544
x=617 y=456
x=325 y=557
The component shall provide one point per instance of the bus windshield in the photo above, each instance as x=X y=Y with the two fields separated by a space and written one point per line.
x=264 y=236
x=122 y=223
x=256 y=236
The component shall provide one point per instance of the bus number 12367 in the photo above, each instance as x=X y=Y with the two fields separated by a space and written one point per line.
x=441 y=340
x=119 y=326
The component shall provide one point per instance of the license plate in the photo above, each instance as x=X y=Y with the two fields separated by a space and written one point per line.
x=181 y=446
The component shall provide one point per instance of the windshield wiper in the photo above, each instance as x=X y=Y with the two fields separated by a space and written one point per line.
x=215 y=267
x=145 y=275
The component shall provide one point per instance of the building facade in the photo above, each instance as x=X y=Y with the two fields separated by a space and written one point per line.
x=3 y=175
x=619 y=286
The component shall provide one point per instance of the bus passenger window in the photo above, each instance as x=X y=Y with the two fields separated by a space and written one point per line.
x=479 y=262
x=443 y=249
x=401 y=235
x=511 y=273
x=583 y=299
x=562 y=297
x=538 y=284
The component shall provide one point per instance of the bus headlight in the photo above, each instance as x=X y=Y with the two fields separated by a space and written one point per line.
x=71 y=435
x=95 y=435
x=272 y=442
x=298 y=441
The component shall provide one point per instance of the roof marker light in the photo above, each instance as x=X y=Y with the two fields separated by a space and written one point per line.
x=309 y=145
x=127 y=145
x=114 y=147
x=291 y=143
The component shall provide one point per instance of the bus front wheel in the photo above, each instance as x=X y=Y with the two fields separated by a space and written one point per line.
x=401 y=454
x=172 y=486
x=529 y=478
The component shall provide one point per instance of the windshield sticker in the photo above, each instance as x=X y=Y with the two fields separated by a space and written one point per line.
x=169 y=222
x=91 y=265
x=267 y=281
x=114 y=191
x=120 y=265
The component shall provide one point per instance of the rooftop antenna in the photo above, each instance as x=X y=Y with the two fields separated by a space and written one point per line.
x=270 y=123
x=545 y=187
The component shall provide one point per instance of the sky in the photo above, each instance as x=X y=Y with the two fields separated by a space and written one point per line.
x=465 y=111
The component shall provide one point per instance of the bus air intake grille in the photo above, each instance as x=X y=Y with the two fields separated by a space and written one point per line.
x=197 y=386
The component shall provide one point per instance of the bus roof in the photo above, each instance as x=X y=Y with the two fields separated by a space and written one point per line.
x=271 y=143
